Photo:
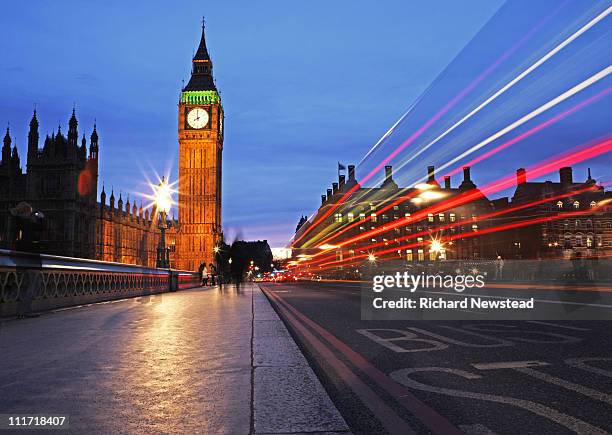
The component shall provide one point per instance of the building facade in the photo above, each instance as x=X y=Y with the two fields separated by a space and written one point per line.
x=433 y=222
x=200 y=135
x=60 y=183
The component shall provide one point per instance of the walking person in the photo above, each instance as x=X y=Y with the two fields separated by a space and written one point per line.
x=213 y=272
x=205 y=276
x=499 y=268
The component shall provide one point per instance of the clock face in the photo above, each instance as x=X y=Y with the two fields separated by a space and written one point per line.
x=197 y=118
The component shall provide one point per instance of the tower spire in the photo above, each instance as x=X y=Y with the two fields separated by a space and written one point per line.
x=201 y=70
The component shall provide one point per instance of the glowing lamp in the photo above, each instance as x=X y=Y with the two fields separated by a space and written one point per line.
x=436 y=246
x=163 y=196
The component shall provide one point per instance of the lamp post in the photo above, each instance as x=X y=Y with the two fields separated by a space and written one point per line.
x=163 y=201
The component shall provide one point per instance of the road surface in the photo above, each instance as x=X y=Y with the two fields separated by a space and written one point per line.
x=477 y=377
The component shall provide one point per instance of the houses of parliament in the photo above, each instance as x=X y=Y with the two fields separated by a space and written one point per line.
x=61 y=183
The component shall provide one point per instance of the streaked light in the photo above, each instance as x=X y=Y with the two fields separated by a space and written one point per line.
x=328 y=246
x=429 y=195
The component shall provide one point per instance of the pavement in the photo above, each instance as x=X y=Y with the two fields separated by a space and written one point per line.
x=207 y=360
x=462 y=376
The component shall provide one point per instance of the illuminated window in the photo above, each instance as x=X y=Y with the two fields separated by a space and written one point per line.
x=578 y=240
x=452 y=217
x=474 y=227
x=338 y=217
x=373 y=217
x=408 y=254
x=576 y=204
x=351 y=217
x=420 y=239
x=589 y=241
x=361 y=216
x=384 y=217
x=593 y=204
x=430 y=217
x=560 y=204
x=396 y=207
x=441 y=217
x=372 y=206
x=432 y=255
x=406 y=215
x=361 y=228
x=420 y=255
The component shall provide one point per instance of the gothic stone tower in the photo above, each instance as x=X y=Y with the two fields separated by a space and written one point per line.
x=200 y=134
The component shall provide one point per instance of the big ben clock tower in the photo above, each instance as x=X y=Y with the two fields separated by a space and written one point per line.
x=200 y=135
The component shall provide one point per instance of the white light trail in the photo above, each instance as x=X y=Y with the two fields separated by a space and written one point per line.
x=514 y=81
x=552 y=103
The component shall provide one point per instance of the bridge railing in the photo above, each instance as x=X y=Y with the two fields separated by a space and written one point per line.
x=31 y=282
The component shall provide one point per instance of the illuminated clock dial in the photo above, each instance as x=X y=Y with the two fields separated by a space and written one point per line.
x=197 y=118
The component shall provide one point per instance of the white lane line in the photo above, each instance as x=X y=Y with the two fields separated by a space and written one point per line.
x=580 y=389
x=581 y=363
x=574 y=328
x=574 y=424
x=509 y=365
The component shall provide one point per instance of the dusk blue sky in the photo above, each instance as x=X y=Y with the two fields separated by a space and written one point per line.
x=304 y=84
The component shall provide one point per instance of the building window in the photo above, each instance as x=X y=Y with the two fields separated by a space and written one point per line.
x=396 y=207
x=560 y=204
x=420 y=255
x=406 y=215
x=593 y=204
x=441 y=217
x=351 y=217
x=589 y=241
x=338 y=217
x=430 y=217
x=474 y=227
x=578 y=240
x=373 y=217
x=408 y=254
x=576 y=204
x=452 y=217
x=361 y=216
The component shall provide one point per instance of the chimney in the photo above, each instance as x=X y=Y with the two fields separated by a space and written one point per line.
x=351 y=172
x=467 y=182
x=447 y=182
x=431 y=174
x=334 y=187
x=565 y=176
x=466 y=174
x=341 y=179
x=323 y=199
x=329 y=193
x=521 y=176
x=388 y=173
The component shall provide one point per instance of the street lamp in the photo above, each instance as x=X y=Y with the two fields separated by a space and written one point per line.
x=163 y=201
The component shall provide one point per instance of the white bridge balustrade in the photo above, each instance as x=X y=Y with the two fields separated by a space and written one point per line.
x=43 y=282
